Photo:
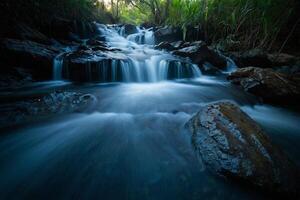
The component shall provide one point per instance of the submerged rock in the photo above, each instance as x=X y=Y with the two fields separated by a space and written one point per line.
x=233 y=145
x=44 y=106
x=271 y=86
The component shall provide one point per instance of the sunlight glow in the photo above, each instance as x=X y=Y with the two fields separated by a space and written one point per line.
x=106 y=2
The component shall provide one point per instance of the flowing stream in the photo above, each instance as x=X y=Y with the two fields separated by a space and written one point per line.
x=131 y=144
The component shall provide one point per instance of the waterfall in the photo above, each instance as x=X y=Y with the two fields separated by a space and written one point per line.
x=143 y=36
x=58 y=66
x=136 y=60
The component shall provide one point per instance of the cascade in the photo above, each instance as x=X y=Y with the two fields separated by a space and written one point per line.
x=136 y=60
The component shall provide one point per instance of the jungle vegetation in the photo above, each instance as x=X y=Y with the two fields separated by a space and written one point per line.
x=247 y=24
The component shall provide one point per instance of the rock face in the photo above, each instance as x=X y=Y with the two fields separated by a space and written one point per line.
x=130 y=29
x=271 y=86
x=92 y=63
x=27 y=54
x=232 y=145
x=199 y=53
x=262 y=59
x=167 y=34
x=45 y=106
x=166 y=46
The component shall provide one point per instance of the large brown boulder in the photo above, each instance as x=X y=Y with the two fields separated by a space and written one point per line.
x=234 y=146
x=199 y=53
x=271 y=86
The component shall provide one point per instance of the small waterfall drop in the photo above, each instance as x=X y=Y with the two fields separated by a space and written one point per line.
x=143 y=36
x=58 y=66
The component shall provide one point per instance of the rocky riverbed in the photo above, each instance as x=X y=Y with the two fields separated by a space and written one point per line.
x=122 y=98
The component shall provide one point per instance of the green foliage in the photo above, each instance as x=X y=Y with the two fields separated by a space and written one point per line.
x=134 y=15
x=254 y=23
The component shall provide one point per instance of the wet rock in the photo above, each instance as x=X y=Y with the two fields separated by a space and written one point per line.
x=271 y=86
x=234 y=146
x=199 y=53
x=45 y=106
x=84 y=56
x=148 y=25
x=31 y=55
x=97 y=45
x=171 y=46
x=166 y=46
x=94 y=42
x=254 y=57
x=179 y=44
x=83 y=47
x=282 y=59
x=101 y=48
x=130 y=29
x=262 y=59
x=100 y=38
x=168 y=34
x=90 y=65
x=229 y=44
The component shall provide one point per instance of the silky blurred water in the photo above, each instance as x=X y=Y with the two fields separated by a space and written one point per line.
x=131 y=145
